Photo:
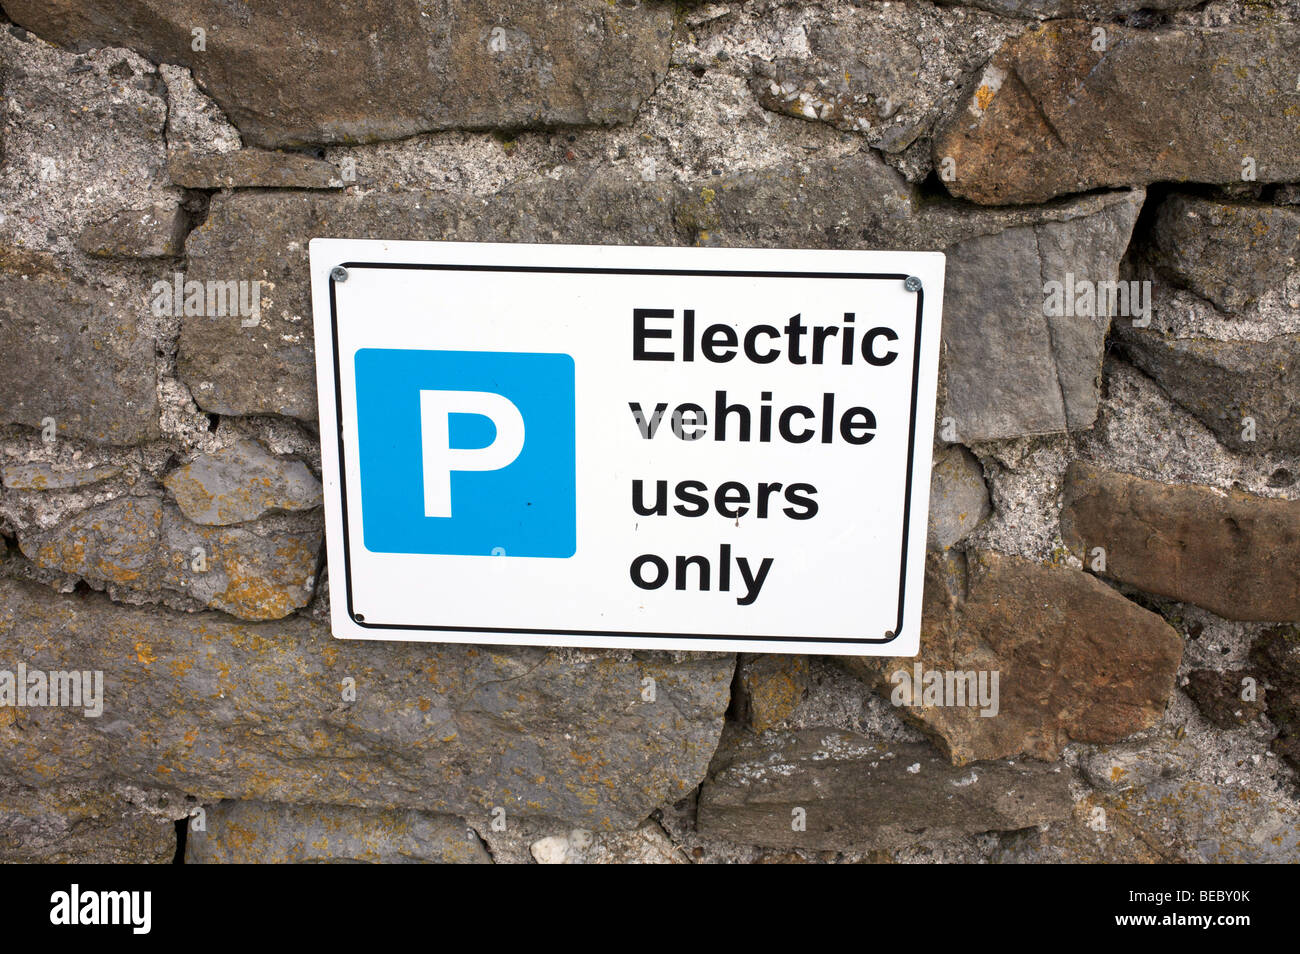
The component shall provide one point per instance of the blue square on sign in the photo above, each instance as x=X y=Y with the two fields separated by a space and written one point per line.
x=467 y=452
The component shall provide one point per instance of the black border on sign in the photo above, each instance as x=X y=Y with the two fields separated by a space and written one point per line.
x=708 y=272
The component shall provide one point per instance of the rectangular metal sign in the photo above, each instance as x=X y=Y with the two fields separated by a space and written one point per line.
x=661 y=448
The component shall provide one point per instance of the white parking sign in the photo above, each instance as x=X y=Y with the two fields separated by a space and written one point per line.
x=627 y=447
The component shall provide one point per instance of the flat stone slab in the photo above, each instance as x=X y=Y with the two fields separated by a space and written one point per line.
x=302 y=73
x=1234 y=554
x=282 y=712
x=265 y=833
x=826 y=789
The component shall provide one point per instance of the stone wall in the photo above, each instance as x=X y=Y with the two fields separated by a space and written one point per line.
x=1115 y=506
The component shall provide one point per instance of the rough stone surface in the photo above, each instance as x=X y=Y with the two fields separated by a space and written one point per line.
x=38 y=475
x=1233 y=253
x=958 y=498
x=1227 y=384
x=1117 y=768
x=87 y=362
x=394 y=69
x=1219 y=696
x=238 y=832
x=1065 y=9
x=1075 y=660
x=112 y=824
x=769 y=688
x=1235 y=554
x=226 y=710
x=156 y=232
x=1276 y=655
x=647 y=845
x=1165 y=822
x=1051 y=114
x=241 y=482
x=194 y=122
x=144 y=545
x=864 y=70
x=770 y=124
x=860 y=793
x=83 y=141
x=1048 y=368
x=250 y=168
x=1011 y=368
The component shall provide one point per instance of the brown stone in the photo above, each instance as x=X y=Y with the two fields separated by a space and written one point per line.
x=1232 y=553
x=770 y=687
x=1219 y=696
x=1051 y=114
x=250 y=168
x=1276 y=655
x=1075 y=661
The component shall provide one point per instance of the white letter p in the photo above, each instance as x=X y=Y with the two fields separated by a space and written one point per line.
x=441 y=459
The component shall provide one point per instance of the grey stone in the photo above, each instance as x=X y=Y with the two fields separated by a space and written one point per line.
x=241 y=482
x=864 y=794
x=1053 y=114
x=864 y=70
x=100 y=824
x=394 y=69
x=227 y=710
x=145 y=545
x=1047 y=368
x=38 y=475
x=250 y=168
x=1116 y=768
x=83 y=142
x=156 y=232
x=240 y=832
x=857 y=201
x=959 y=500
x=1223 y=383
x=1232 y=253
x=87 y=361
x=194 y=121
x=1011 y=367
x=1166 y=822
